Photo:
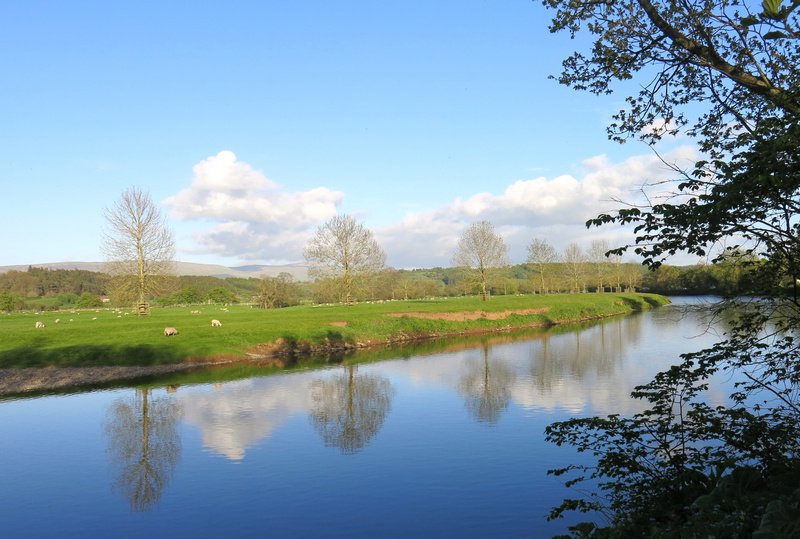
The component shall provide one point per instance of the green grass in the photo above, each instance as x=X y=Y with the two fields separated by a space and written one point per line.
x=106 y=337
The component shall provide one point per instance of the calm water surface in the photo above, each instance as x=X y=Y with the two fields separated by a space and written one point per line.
x=448 y=444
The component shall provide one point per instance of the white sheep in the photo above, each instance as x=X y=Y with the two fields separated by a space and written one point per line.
x=216 y=323
x=39 y=325
x=169 y=332
x=58 y=320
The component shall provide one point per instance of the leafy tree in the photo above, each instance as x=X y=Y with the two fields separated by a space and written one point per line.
x=7 y=301
x=344 y=250
x=189 y=295
x=724 y=73
x=481 y=250
x=219 y=294
x=67 y=298
x=87 y=300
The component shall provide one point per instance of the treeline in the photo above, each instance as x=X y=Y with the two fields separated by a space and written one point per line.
x=41 y=288
x=54 y=289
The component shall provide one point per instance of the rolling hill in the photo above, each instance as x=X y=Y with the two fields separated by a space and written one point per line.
x=298 y=271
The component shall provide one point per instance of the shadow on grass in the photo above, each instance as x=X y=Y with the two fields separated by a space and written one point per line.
x=89 y=356
x=637 y=305
x=653 y=302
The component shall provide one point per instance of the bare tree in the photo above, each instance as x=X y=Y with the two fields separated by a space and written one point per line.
x=482 y=250
x=275 y=292
x=600 y=264
x=541 y=254
x=574 y=260
x=144 y=444
x=349 y=409
x=138 y=245
x=344 y=250
x=487 y=388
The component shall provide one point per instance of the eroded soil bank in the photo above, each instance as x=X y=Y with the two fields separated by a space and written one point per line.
x=24 y=380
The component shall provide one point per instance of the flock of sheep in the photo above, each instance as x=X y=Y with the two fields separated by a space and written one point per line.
x=168 y=331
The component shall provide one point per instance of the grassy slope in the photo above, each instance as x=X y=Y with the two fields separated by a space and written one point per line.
x=92 y=338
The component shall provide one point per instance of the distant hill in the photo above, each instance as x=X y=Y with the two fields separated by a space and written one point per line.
x=299 y=271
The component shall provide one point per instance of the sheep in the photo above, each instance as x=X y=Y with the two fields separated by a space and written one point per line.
x=39 y=325
x=169 y=332
x=58 y=320
x=195 y=312
x=216 y=324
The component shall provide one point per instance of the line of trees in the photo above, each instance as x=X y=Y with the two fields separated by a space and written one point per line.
x=41 y=288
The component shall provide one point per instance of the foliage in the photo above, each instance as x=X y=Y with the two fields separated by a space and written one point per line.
x=220 y=294
x=684 y=468
x=43 y=282
x=7 y=302
x=87 y=300
x=189 y=295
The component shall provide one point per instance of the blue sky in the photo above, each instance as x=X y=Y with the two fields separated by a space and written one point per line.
x=252 y=122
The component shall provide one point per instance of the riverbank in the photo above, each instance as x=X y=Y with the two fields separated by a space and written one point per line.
x=100 y=346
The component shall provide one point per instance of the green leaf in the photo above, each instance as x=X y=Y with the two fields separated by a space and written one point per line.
x=771 y=8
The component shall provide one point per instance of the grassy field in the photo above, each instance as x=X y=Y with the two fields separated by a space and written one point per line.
x=114 y=337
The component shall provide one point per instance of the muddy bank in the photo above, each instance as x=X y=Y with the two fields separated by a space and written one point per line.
x=278 y=353
x=15 y=381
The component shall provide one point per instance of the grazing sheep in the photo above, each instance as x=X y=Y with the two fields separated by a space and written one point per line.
x=39 y=325
x=195 y=312
x=216 y=324
x=58 y=320
x=169 y=332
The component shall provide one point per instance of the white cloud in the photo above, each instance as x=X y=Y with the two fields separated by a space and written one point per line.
x=224 y=188
x=551 y=208
x=255 y=219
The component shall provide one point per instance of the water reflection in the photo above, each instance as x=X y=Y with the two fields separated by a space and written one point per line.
x=589 y=368
x=237 y=415
x=434 y=464
x=144 y=445
x=486 y=386
x=349 y=409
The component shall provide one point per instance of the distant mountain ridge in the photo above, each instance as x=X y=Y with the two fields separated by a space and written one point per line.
x=298 y=271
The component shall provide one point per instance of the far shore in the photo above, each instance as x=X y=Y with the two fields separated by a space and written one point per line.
x=64 y=361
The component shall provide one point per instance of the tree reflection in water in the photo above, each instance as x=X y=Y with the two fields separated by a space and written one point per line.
x=487 y=387
x=143 y=443
x=349 y=409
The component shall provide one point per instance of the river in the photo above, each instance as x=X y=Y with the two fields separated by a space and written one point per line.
x=420 y=445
